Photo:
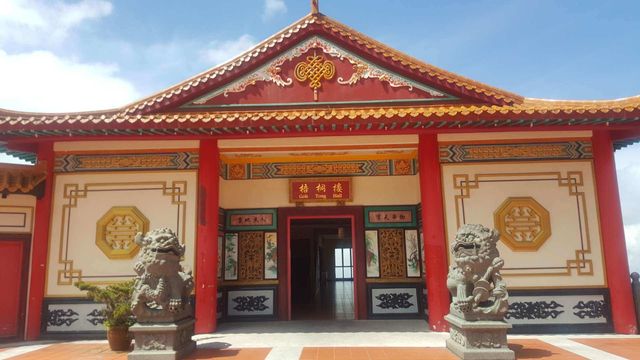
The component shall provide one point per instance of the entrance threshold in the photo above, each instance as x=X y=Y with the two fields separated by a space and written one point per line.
x=323 y=326
x=301 y=333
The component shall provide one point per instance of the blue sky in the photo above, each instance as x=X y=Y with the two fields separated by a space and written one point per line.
x=63 y=55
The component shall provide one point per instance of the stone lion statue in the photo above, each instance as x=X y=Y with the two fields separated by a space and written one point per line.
x=474 y=279
x=162 y=288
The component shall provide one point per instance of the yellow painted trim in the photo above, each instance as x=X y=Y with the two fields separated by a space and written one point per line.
x=526 y=141
x=123 y=152
x=318 y=148
x=315 y=158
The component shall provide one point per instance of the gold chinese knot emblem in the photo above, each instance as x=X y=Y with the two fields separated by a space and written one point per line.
x=315 y=69
x=116 y=231
x=523 y=223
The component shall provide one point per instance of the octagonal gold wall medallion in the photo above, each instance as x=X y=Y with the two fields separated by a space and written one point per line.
x=116 y=231
x=523 y=223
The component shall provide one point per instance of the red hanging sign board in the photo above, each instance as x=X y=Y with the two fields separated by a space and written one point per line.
x=315 y=190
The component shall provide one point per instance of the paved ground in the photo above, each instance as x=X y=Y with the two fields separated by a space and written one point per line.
x=349 y=340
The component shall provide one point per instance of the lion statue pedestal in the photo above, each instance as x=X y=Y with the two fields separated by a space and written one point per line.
x=160 y=299
x=476 y=315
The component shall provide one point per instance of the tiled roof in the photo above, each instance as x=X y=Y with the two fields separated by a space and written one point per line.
x=627 y=109
x=20 y=178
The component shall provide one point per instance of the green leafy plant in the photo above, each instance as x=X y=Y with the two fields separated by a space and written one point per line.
x=117 y=301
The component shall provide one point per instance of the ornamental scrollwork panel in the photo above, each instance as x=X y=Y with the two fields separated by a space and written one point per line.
x=61 y=317
x=593 y=309
x=251 y=255
x=392 y=254
x=96 y=317
x=534 y=310
x=250 y=303
x=394 y=301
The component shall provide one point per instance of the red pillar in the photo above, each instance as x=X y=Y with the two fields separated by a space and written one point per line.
x=435 y=245
x=207 y=241
x=612 y=229
x=39 y=245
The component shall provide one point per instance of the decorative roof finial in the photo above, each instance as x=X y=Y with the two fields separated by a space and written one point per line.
x=315 y=8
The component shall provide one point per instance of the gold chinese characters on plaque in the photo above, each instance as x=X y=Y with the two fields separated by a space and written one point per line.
x=320 y=190
x=116 y=231
x=523 y=223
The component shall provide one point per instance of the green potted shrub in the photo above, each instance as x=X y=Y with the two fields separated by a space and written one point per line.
x=117 y=311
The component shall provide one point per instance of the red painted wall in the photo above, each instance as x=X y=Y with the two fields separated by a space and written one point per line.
x=11 y=264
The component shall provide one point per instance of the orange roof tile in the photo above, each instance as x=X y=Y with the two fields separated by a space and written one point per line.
x=561 y=109
x=20 y=178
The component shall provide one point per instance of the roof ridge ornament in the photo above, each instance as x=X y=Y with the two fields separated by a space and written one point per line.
x=315 y=7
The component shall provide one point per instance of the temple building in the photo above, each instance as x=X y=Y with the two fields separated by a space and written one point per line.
x=320 y=175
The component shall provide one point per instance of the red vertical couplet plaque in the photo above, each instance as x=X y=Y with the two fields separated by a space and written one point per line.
x=207 y=241
x=301 y=190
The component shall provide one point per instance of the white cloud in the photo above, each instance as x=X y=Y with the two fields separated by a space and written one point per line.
x=42 y=81
x=34 y=22
x=222 y=51
x=628 y=169
x=632 y=235
x=273 y=8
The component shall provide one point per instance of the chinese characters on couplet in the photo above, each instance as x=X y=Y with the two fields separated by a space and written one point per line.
x=251 y=219
x=320 y=190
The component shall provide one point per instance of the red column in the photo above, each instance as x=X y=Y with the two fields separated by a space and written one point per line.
x=612 y=230
x=435 y=245
x=39 y=246
x=207 y=241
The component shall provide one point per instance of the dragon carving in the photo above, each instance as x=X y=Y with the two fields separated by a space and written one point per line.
x=162 y=287
x=474 y=279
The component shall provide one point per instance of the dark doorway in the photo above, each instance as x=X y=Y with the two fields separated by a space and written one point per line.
x=321 y=269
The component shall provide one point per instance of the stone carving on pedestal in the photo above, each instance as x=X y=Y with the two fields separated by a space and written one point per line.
x=479 y=296
x=160 y=299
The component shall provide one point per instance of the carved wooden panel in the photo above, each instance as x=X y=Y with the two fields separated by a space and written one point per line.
x=251 y=255
x=392 y=258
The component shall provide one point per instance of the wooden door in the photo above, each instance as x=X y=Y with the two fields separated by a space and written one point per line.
x=11 y=278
